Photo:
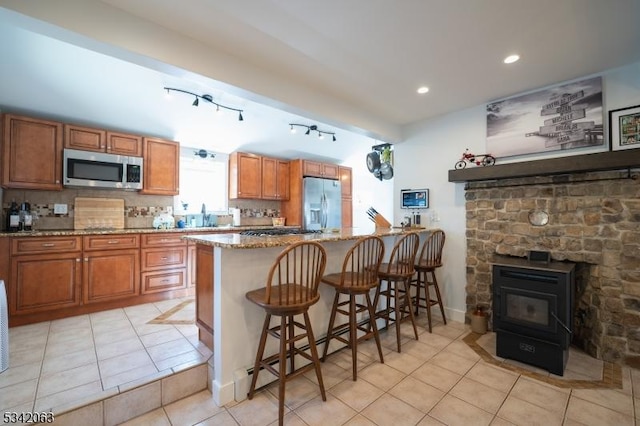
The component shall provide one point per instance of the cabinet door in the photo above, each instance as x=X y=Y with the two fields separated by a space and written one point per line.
x=347 y=213
x=161 y=167
x=111 y=274
x=84 y=138
x=269 y=178
x=204 y=294
x=345 y=181
x=31 y=153
x=312 y=168
x=44 y=282
x=119 y=143
x=283 y=180
x=245 y=175
x=164 y=258
x=330 y=171
x=275 y=179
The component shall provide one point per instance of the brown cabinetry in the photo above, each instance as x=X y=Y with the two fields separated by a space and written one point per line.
x=275 y=179
x=111 y=268
x=245 y=175
x=347 y=199
x=204 y=294
x=164 y=262
x=31 y=153
x=90 y=139
x=317 y=169
x=161 y=167
x=46 y=274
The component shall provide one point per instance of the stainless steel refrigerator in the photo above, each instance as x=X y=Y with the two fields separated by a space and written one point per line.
x=321 y=203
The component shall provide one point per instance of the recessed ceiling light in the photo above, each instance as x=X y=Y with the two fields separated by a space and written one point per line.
x=422 y=90
x=511 y=59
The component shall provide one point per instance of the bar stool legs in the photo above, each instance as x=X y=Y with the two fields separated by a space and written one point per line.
x=423 y=283
x=285 y=332
x=399 y=310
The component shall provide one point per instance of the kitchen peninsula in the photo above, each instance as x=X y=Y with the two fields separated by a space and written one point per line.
x=229 y=265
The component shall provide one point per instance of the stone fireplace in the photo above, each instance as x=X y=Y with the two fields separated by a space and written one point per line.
x=594 y=221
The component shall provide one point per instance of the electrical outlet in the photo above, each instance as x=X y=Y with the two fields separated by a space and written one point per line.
x=60 y=209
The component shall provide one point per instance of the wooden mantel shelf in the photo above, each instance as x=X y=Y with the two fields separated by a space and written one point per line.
x=599 y=161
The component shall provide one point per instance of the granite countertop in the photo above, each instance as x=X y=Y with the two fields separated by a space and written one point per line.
x=237 y=241
x=80 y=232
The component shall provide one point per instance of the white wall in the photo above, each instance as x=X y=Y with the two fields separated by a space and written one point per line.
x=431 y=149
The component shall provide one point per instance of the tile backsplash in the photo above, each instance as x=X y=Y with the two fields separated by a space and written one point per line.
x=139 y=209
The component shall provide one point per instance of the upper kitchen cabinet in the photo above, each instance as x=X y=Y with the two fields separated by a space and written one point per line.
x=322 y=170
x=31 y=153
x=245 y=175
x=161 y=167
x=345 y=181
x=347 y=202
x=275 y=179
x=89 y=139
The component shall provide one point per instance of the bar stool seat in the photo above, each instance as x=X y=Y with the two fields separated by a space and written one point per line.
x=359 y=275
x=292 y=288
x=398 y=273
x=430 y=259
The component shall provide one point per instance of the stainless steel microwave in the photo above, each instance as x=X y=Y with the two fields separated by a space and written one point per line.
x=101 y=170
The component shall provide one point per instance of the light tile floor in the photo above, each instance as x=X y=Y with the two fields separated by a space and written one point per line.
x=436 y=380
x=55 y=363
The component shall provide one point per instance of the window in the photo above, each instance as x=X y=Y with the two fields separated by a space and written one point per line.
x=202 y=181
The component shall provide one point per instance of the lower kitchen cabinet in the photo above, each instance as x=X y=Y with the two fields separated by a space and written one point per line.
x=204 y=295
x=44 y=282
x=46 y=274
x=164 y=263
x=111 y=274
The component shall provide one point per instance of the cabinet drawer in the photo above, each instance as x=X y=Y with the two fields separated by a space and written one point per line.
x=154 y=282
x=171 y=257
x=45 y=245
x=162 y=240
x=106 y=242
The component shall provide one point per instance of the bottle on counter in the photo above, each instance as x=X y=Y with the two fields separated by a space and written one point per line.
x=26 y=218
x=13 y=217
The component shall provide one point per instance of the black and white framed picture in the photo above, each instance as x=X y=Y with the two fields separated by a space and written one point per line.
x=560 y=118
x=624 y=128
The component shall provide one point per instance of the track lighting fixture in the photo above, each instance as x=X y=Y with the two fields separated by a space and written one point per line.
x=207 y=98
x=313 y=128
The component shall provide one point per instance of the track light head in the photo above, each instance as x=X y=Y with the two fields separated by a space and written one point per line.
x=240 y=117
x=307 y=132
x=195 y=102
x=334 y=138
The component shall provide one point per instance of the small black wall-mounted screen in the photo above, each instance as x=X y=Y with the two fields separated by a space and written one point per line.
x=414 y=198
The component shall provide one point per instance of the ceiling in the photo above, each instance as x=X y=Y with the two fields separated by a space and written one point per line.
x=316 y=63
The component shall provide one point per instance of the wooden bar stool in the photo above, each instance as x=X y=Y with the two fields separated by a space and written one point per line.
x=358 y=277
x=292 y=287
x=397 y=273
x=430 y=259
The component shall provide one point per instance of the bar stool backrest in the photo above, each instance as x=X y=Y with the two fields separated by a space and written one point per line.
x=296 y=272
x=362 y=261
x=431 y=253
x=403 y=255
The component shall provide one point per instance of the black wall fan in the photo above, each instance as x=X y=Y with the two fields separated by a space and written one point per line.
x=379 y=161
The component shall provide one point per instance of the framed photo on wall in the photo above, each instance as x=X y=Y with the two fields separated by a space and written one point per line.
x=556 y=119
x=624 y=128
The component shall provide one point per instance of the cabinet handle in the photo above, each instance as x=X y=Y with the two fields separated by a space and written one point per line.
x=86 y=259
x=113 y=242
x=164 y=258
x=78 y=260
x=48 y=245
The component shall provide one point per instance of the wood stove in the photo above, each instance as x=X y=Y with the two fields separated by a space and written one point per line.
x=533 y=311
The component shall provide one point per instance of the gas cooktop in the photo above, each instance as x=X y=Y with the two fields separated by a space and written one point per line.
x=282 y=231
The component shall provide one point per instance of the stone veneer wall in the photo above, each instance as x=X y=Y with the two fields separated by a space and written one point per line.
x=596 y=224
